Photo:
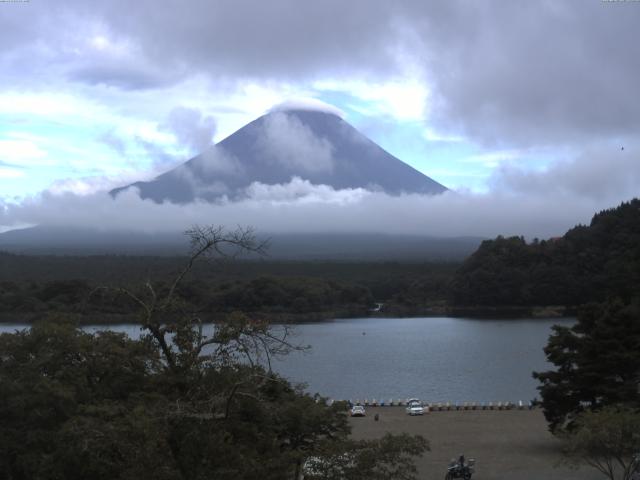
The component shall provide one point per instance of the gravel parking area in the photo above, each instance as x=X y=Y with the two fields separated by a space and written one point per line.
x=508 y=444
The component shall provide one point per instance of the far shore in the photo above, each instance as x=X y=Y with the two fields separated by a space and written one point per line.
x=475 y=312
x=505 y=443
x=479 y=311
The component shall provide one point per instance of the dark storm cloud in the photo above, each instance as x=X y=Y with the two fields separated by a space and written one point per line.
x=504 y=72
x=13 y=32
x=117 y=76
x=282 y=38
x=224 y=39
x=538 y=72
x=597 y=173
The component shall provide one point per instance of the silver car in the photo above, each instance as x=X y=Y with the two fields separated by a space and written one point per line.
x=358 y=411
x=415 y=407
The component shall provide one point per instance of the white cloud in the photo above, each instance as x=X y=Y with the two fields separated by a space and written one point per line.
x=23 y=153
x=9 y=173
x=201 y=187
x=405 y=99
x=494 y=158
x=215 y=160
x=41 y=104
x=299 y=206
x=85 y=186
x=311 y=104
x=191 y=128
x=242 y=101
x=299 y=191
x=100 y=42
x=432 y=135
x=71 y=121
x=287 y=141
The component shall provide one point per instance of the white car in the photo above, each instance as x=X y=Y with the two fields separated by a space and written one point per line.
x=414 y=407
x=358 y=411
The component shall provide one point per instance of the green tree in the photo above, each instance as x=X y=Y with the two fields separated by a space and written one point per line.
x=388 y=457
x=607 y=440
x=587 y=264
x=56 y=383
x=179 y=403
x=597 y=363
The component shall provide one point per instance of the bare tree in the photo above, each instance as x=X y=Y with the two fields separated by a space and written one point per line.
x=179 y=334
x=237 y=340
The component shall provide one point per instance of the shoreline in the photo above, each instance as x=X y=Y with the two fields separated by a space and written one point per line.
x=482 y=311
x=479 y=313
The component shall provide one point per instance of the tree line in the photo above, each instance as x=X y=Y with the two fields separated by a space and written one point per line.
x=270 y=296
x=31 y=286
x=587 y=264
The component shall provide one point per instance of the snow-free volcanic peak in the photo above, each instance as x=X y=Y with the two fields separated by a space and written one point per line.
x=307 y=141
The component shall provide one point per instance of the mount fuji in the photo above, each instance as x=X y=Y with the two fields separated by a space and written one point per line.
x=294 y=147
x=313 y=145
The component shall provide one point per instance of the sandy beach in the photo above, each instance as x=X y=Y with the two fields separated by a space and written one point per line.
x=510 y=444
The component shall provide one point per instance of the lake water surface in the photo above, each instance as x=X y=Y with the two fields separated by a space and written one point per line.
x=435 y=359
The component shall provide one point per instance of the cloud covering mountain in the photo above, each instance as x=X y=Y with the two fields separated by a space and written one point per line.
x=535 y=204
x=309 y=142
x=299 y=206
x=526 y=104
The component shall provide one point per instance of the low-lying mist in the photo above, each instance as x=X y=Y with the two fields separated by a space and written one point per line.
x=304 y=208
x=534 y=204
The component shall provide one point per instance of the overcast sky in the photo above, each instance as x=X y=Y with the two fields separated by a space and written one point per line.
x=534 y=104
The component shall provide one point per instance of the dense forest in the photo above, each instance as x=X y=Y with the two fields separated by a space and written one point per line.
x=589 y=263
x=267 y=295
x=34 y=286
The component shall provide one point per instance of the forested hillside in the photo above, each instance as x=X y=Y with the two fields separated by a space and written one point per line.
x=589 y=263
x=34 y=286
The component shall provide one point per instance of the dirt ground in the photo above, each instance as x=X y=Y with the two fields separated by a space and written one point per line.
x=506 y=444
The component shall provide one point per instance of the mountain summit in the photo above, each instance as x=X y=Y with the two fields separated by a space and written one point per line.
x=314 y=145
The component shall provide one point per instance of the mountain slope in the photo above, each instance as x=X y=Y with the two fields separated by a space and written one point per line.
x=317 y=146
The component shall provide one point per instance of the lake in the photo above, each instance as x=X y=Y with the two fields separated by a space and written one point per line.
x=436 y=359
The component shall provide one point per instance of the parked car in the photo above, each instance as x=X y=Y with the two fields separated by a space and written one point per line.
x=358 y=411
x=414 y=407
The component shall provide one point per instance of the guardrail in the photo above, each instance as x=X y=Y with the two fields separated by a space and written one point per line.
x=443 y=406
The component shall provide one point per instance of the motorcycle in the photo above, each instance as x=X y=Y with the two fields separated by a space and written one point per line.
x=457 y=470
